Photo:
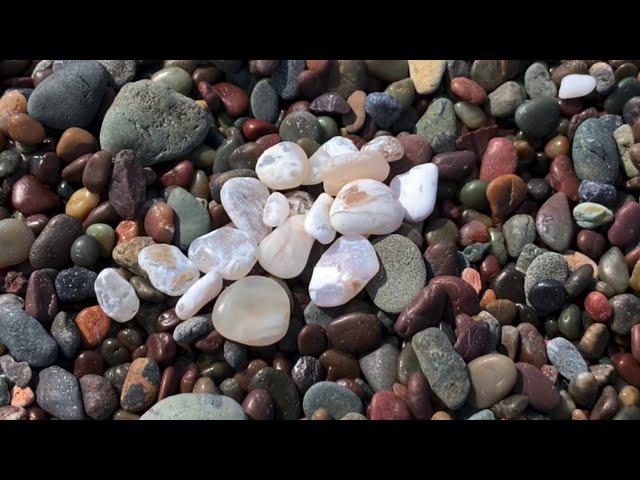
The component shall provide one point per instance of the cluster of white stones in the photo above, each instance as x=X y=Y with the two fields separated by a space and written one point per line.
x=277 y=230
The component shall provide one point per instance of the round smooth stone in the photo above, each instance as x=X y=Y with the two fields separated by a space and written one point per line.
x=243 y=199
x=264 y=101
x=594 y=151
x=283 y=166
x=195 y=406
x=546 y=296
x=337 y=399
x=276 y=209
x=229 y=251
x=331 y=148
x=253 y=311
x=518 y=231
x=380 y=367
x=343 y=271
x=16 y=240
x=576 y=86
x=383 y=108
x=537 y=81
x=285 y=251
x=416 y=191
x=538 y=117
x=613 y=269
x=342 y=169
x=492 y=378
x=592 y=215
x=427 y=74
x=317 y=222
x=505 y=99
x=169 y=270
x=199 y=294
x=389 y=147
x=549 y=265
x=366 y=207
x=300 y=124
x=116 y=296
x=566 y=358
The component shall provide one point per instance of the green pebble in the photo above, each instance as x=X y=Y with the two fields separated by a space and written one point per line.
x=475 y=251
x=300 y=124
x=175 y=78
x=471 y=115
x=85 y=251
x=105 y=235
x=388 y=70
x=203 y=156
x=113 y=352
x=234 y=140
x=474 y=194
x=64 y=190
x=498 y=246
x=570 y=322
x=9 y=160
x=309 y=146
x=328 y=127
x=407 y=363
x=551 y=328
x=592 y=215
x=439 y=230
x=403 y=91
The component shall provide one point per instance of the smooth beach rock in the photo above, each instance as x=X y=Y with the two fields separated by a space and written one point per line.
x=16 y=239
x=51 y=248
x=543 y=395
x=505 y=99
x=538 y=117
x=566 y=358
x=338 y=400
x=317 y=222
x=331 y=148
x=195 y=406
x=116 y=296
x=276 y=209
x=98 y=396
x=169 y=270
x=25 y=338
x=192 y=219
x=613 y=269
x=229 y=251
x=549 y=265
x=243 y=199
x=594 y=152
x=500 y=158
x=285 y=251
x=283 y=166
x=141 y=384
x=389 y=147
x=554 y=223
x=199 y=294
x=426 y=74
x=576 y=86
x=592 y=215
x=339 y=170
x=537 y=81
x=492 y=378
x=379 y=367
x=416 y=191
x=282 y=390
x=253 y=311
x=58 y=393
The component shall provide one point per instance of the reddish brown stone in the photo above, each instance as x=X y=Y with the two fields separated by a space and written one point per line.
x=532 y=346
x=592 y=244
x=234 y=99
x=468 y=90
x=543 y=395
x=473 y=232
x=29 y=196
x=74 y=172
x=388 y=406
x=354 y=332
x=625 y=229
x=627 y=368
x=93 y=325
x=41 y=301
x=140 y=388
x=75 y=142
x=416 y=152
x=500 y=158
x=562 y=177
x=477 y=140
x=312 y=340
x=455 y=166
x=180 y=175
x=159 y=223
x=606 y=406
x=338 y=365
x=505 y=193
x=598 y=307
x=471 y=339
x=269 y=140
x=253 y=129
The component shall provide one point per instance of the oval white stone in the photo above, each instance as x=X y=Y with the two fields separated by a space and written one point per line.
x=285 y=251
x=229 y=251
x=276 y=209
x=253 y=311
x=317 y=222
x=168 y=269
x=575 y=86
x=389 y=147
x=283 y=166
x=343 y=271
x=116 y=296
x=416 y=191
x=366 y=207
x=330 y=148
x=341 y=169
x=198 y=295
x=243 y=199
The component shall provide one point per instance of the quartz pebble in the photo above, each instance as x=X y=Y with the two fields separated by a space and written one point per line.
x=229 y=251
x=389 y=147
x=341 y=169
x=575 y=86
x=116 y=296
x=416 y=191
x=199 y=294
x=243 y=199
x=331 y=148
x=283 y=166
x=276 y=210
x=285 y=251
x=168 y=269
x=317 y=222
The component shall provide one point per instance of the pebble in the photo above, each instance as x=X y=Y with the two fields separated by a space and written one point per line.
x=243 y=200
x=98 y=397
x=500 y=158
x=492 y=377
x=546 y=296
x=18 y=373
x=504 y=194
x=538 y=117
x=317 y=222
x=538 y=83
x=285 y=251
x=592 y=215
x=426 y=74
x=169 y=270
x=306 y=372
x=264 y=101
x=379 y=367
x=121 y=71
x=229 y=251
x=51 y=248
x=594 y=152
x=75 y=284
x=65 y=332
x=613 y=270
x=625 y=230
x=438 y=125
x=543 y=395
x=576 y=86
x=283 y=166
x=549 y=265
x=416 y=191
x=58 y=394
x=388 y=406
x=198 y=295
x=16 y=239
x=126 y=254
x=597 y=192
x=519 y=231
x=603 y=73
x=282 y=390
x=192 y=219
x=116 y=296
x=276 y=210
x=626 y=313
x=29 y=196
x=338 y=400
x=532 y=346
x=192 y=406
x=141 y=384
x=25 y=338
x=566 y=358
x=383 y=108
x=505 y=99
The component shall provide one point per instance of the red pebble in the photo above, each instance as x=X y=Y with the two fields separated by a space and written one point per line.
x=562 y=177
x=180 y=175
x=499 y=158
x=598 y=307
x=388 y=406
x=472 y=277
x=234 y=99
x=253 y=129
x=468 y=90
x=269 y=140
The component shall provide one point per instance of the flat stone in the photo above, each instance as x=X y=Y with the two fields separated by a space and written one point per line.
x=505 y=99
x=554 y=223
x=595 y=152
x=538 y=83
x=426 y=74
x=192 y=219
x=566 y=358
x=195 y=406
x=58 y=394
x=336 y=399
x=519 y=231
x=380 y=367
x=492 y=378
x=25 y=338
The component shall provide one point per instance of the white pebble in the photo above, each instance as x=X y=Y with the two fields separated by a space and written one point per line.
x=416 y=191
x=243 y=199
x=168 y=269
x=283 y=166
x=116 y=296
x=389 y=147
x=337 y=171
x=343 y=271
x=285 y=251
x=317 y=222
x=331 y=148
x=276 y=209
x=366 y=207
x=229 y=251
x=576 y=86
x=198 y=295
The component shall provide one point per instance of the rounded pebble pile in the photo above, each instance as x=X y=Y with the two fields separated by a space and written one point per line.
x=319 y=240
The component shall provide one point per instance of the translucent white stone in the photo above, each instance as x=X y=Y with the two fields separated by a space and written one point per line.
x=416 y=190
x=299 y=202
x=341 y=169
x=317 y=222
x=366 y=207
x=253 y=311
x=283 y=166
x=576 y=86
x=343 y=271
x=116 y=296
x=243 y=199
x=168 y=269
x=285 y=251
x=229 y=251
x=276 y=210
x=198 y=295
x=331 y=148
x=387 y=146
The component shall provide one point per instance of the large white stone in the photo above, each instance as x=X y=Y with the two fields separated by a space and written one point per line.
x=229 y=251
x=366 y=207
x=283 y=166
x=276 y=210
x=341 y=169
x=116 y=296
x=389 y=147
x=243 y=199
x=331 y=148
x=416 y=191
x=285 y=251
x=253 y=311
x=576 y=86
x=168 y=269
x=317 y=222
x=343 y=271
x=198 y=295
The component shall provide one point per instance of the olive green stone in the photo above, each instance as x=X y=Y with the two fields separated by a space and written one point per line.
x=628 y=412
x=634 y=281
x=476 y=251
x=175 y=78
x=231 y=388
x=192 y=217
x=438 y=120
x=219 y=180
x=570 y=322
x=538 y=117
x=613 y=270
x=347 y=76
x=245 y=156
x=510 y=407
x=440 y=230
x=217 y=371
x=474 y=194
x=388 y=70
x=403 y=91
x=85 y=251
x=592 y=215
x=498 y=246
x=234 y=140
x=471 y=115
x=309 y=145
x=147 y=316
x=105 y=236
x=328 y=127
x=300 y=124
x=113 y=352
x=407 y=363
x=203 y=156
x=625 y=89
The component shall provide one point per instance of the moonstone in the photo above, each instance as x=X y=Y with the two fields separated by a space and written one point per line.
x=198 y=295
x=416 y=191
x=283 y=166
x=331 y=148
x=341 y=169
x=116 y=296
x=276 y=210
x=243 y=199
x=229 y=251
x=253 y=311
x=168 y=269
x=343 y=271
x=389 y=147
x=285 y=251
x=317 y=222
x=366 y=207
x=576 y=86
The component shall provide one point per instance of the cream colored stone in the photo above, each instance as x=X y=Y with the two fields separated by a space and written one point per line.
x=199 y=294
x=229 y=251
x=243 y=199
x=416 y=190
x=331 y=148
x=168 y=269
x=426 y=74
x=116 y=296
x=492 y=378
x=283 y=166
x=317 y=222
x=389 y=147
x=276 y=209
x=285 y=251
x=342 y=169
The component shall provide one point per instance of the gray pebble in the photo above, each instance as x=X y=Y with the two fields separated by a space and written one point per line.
x=192 y=329
x=195 y=406
x=25 y=338
x=566 y=358
x=338 y=400
x=538 y=83
x=58 y=394
x=380 y=367
x=65 y=332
